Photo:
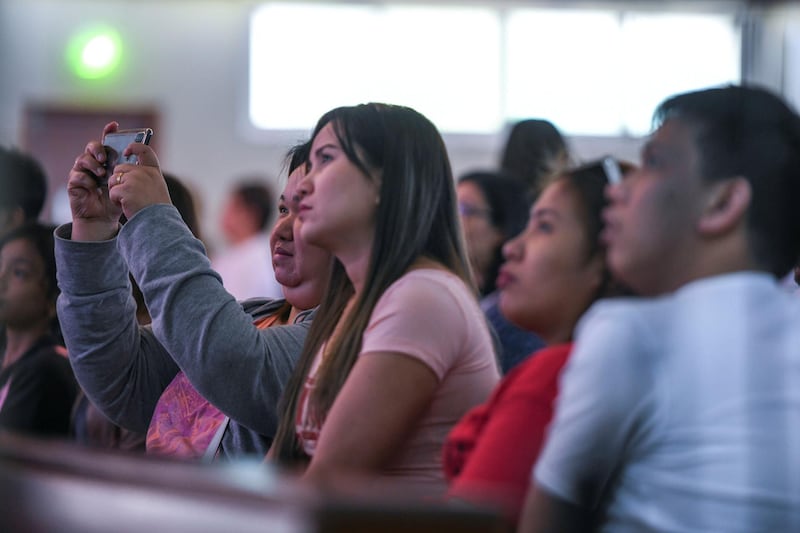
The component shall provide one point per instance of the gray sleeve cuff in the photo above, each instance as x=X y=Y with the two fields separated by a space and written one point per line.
x=87 y=267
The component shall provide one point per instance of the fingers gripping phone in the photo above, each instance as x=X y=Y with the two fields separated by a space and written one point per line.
x=116 y=142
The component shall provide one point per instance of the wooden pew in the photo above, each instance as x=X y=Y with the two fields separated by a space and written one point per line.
x=60 y=487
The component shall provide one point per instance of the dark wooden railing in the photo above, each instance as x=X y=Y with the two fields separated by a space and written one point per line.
x=60 y=487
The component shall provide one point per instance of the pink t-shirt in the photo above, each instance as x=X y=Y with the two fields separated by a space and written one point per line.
x=432 y=316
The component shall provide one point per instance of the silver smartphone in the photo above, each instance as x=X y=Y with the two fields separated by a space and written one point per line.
x=116 y=142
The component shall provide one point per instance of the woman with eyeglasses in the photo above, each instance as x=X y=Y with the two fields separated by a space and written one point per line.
x=553 y=271
x=493 y=209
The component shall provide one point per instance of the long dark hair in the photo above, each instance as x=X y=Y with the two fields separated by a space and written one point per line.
x=416 y=217
x=534 y=150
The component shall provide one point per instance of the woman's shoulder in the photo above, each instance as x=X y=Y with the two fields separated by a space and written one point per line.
x=427 y=282
x=432 y=298
x=430 y=293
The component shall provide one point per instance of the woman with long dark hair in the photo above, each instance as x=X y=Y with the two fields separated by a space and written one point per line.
x=399 y=350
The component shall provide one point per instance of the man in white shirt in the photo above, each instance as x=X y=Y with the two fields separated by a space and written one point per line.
x=681 y=411
x=246 y=264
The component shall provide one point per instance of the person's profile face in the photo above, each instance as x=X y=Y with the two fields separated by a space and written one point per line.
x=294 y=261
x=338 y=201
x=548 y=278
x=651 y=220
x=482 y=238
x=281 y=238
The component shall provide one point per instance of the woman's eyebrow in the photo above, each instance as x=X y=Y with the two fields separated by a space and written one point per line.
x=18 y=261
x=323 y=147
x=545 y=211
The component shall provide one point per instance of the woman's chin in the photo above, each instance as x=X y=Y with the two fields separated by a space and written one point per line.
x=287 y=279
x=511 y=312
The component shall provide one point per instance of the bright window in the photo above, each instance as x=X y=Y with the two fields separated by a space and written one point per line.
x=657 y=64
x=308 y=58
x=473 y=69
x=563 y=65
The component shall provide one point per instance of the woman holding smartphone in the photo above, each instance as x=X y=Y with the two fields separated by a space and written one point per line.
x=205 y=354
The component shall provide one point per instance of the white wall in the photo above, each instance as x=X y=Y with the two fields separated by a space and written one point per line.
x=188 y=60
x=783 y=27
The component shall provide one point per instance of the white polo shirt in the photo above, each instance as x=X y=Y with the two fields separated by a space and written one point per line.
x=682 y=413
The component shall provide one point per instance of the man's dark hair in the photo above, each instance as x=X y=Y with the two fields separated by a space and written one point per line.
x=750 y=132
x=23 y=182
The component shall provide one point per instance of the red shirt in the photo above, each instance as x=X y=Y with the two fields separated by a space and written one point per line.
x=490 y=453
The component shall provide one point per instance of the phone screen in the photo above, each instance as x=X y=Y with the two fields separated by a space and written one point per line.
x=116 y=143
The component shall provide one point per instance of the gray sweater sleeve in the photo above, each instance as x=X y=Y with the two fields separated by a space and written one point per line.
x=237 y=367
x=122 y=368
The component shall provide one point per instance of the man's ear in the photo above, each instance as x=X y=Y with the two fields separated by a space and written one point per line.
x=726 y=206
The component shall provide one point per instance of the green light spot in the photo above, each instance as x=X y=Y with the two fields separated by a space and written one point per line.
x=95 y=53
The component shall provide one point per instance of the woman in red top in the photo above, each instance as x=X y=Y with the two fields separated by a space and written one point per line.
x=553 y=272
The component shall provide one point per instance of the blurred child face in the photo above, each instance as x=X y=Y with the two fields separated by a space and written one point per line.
x=299 y=267
x=338 y=201
x=650 y=222
x=482 y=238
x=548 y=279
x=23 y=290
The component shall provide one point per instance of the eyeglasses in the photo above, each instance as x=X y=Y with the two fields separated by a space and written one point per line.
x=472 y=211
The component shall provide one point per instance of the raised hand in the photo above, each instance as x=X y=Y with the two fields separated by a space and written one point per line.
x=94 y=215
x=134 y=187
